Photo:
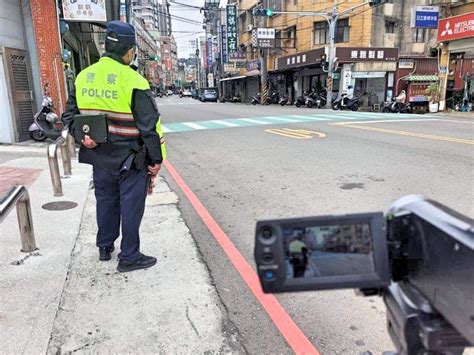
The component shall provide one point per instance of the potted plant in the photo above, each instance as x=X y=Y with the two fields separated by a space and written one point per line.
x=433 y=91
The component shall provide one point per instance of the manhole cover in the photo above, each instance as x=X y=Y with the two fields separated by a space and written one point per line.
x=59 y=206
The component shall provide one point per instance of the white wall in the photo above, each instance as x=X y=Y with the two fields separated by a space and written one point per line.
x=11 y=25
x=6 y=128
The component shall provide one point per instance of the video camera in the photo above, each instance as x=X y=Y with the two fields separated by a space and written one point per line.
x=419 y=258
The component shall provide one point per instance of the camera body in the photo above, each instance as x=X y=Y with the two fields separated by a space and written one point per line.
x=419 y=257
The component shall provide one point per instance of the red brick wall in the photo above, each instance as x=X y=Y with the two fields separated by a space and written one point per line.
x=48 y=47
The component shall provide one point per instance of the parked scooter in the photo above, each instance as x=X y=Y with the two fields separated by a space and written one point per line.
x=274 y=97
x=255 y=99
x=284 y=100
x=394 y=107
x=44 y=122
x=301 y=100
x=350 y=104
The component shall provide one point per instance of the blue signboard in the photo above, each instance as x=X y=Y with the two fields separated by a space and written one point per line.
x=426 y=17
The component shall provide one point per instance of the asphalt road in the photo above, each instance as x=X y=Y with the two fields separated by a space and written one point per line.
x=243 y=173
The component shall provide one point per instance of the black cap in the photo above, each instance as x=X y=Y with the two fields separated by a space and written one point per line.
x=121 y=32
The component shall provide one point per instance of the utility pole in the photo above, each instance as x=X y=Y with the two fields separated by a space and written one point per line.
x=264 y=68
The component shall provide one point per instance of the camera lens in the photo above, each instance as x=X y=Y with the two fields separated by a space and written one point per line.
x=267 y=257
x=267 y=233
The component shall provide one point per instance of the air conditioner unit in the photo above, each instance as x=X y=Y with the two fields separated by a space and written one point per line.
x=249 y=28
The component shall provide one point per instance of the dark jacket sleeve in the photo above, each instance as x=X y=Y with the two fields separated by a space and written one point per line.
x=71 y=110
x=146 y=116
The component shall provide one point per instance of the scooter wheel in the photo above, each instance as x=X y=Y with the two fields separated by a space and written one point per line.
x=38 y=136
x=386 y=110
x=309 y=104
x=254 y=103
x=282 y=104
x=354 y=107
x=298 y=104
x=335 y=106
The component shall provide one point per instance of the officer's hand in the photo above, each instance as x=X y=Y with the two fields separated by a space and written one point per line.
x=88 y=142
x=153 y=170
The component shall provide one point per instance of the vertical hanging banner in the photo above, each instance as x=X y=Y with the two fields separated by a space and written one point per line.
x=224 y=44
x=231 y=21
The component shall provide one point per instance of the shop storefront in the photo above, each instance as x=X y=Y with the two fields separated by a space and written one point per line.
x=414 y=75
x=370 y=71
x=456 y=38
x=299 y=72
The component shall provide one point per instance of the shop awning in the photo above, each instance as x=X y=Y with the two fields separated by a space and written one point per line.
x=234 y=78
x=421 y=78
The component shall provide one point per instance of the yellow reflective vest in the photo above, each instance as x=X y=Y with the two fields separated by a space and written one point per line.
x=107 y=87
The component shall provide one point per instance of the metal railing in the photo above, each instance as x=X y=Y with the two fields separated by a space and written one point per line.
x=62 y=142
x=18 y=195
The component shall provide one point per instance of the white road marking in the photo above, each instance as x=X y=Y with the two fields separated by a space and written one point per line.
x=448 y=120
x=386 y=121
x=253 y=121
x=193 y=125
x=280 y=119
x=225 y=123
x=310 y=118
x=165 y=129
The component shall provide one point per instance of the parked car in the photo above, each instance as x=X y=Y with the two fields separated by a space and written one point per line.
x=169 y=92
x=186 y=93
x=208 y=94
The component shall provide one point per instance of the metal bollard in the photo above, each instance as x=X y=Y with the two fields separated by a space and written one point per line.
x=72 y=146
x=54 y=166
x=65 y=155
x=18 y=195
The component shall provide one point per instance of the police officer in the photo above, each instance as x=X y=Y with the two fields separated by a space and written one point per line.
x=124 y=168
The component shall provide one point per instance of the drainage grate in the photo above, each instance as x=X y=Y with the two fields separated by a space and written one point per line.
x=59 y=206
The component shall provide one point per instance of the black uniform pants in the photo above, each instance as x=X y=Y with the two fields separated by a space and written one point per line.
x=120 y=198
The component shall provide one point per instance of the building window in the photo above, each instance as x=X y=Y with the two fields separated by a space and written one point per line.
x=342 y=31
x=290 y=37
x=243 y=20
x=389 y=27
x=278 y=40
x=418 y=35
x=321 y=32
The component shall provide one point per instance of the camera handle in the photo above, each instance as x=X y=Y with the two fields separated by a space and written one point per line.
x=414 y=325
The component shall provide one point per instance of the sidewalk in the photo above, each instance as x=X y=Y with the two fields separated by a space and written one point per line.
x=61 y=299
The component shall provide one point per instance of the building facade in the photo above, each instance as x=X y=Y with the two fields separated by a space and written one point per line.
x=380 y=50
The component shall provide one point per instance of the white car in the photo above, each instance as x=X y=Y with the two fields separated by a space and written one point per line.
x=169 y=92
x=186 y=93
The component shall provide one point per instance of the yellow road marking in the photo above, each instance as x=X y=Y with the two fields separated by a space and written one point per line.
x=412 y=134
x=296 y=133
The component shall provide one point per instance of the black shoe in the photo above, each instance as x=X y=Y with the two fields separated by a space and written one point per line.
x=105 y=253
x=142 y=263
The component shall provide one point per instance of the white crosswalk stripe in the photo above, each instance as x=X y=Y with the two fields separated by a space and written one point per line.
x=280 y=119
x=225 y=123
x=253 y=121
x=165 y=129
x=310 y=118
x=193 y=125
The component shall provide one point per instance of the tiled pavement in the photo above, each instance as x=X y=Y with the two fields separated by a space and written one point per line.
x=16 y=176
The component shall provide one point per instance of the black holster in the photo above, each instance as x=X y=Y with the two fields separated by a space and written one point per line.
x=140 y=161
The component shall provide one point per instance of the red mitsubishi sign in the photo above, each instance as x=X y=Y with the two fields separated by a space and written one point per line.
x=456 y=27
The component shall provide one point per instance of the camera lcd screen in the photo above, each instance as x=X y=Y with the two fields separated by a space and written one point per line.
x=328 y=250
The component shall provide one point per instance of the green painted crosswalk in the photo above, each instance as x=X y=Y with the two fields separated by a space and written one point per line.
x=278 y=120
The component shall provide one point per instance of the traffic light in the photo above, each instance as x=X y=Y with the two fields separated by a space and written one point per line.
x=261 y=12
x=376 y=2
